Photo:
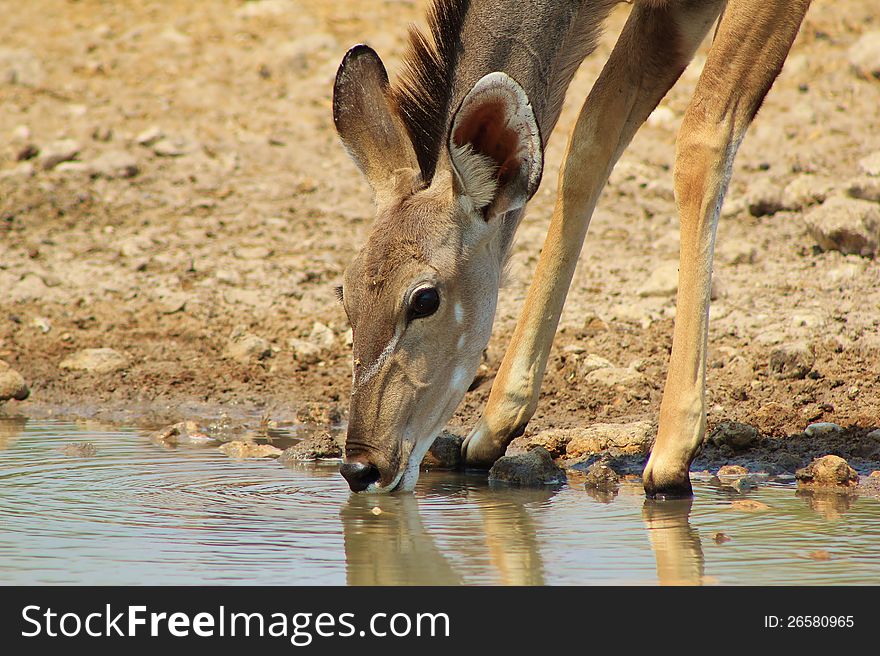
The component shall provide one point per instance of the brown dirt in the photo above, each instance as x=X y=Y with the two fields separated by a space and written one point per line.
x=253 y=223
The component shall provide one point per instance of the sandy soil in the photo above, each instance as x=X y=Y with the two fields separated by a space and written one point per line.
x=244 y=211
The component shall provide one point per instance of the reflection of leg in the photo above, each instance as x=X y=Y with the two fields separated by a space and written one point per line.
x=676 y=544
x=392 y=547
x=751 y=44
x=511 y=539
x=11 y=429
x=655 y=46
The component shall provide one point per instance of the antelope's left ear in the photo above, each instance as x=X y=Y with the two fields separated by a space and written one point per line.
x=495 y=146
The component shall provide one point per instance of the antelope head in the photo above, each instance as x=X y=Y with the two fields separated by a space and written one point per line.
x=422 y=292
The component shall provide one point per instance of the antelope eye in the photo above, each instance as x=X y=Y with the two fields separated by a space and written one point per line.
x=424 y=302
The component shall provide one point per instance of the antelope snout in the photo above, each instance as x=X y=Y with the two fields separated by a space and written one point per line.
x=360 y=474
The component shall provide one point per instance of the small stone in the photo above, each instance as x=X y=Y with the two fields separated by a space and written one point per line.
x=240 y=450
x=870 y=164
x=864 y=189
x=616 y=377
x=792 y=361
x=79 y=450
x=632 y=438
x=166 y=147
x=317 y=447
x=848 y=225
x=740 y=252
x=52 y=154
x=720 y=538
x=864 y=55
x=874 y=474
x=96 y=360
x=554 y=440
x=533 y=469
x=445 y=452
x=149 y=136
x=376 y=510
x=12 y=385
x=246 y=347
x=737 y=436
x=593 y=363
x=19 y=66
x=822 y=429
x=732 y=471
x=806 y=190
x=184 y=432
x=318 y=413
x=601 y=477
x=764 y=197
x=114 y=164
x=42 y=324
x=663 y=280
x=827 y=471
x=304 y=351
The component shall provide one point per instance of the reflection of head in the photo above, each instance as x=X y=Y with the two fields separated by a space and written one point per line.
x=11 y=429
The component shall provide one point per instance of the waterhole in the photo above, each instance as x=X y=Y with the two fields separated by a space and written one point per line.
x=130 y=512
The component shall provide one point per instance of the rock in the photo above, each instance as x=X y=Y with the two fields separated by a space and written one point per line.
x=735 y=435
x=167 y=147
x=870 y=164
x=864 y=189
x=19 y=66
x=593 y=363
x=79 y=450
x=246 y=347
x=827 y=471
x=619 y=379
x=240 y=450
x=763 y=197
x=445 y=452
x=52 y=154
x=184 y=432
x=732 y=470
x=149 y=136
x=792 y=361
x=663 y=280
x=864 y=55
x=553 y=440
x=533 y=469
x=318 y=413
x=601 y=477
x=12 y=385
x=806 y=190
x=822 y=429
x=629 y=438
x=96 y=360
x=848 y=225
x=114 y=164
x=317 y=447
x=313 y=349
x=740 y=252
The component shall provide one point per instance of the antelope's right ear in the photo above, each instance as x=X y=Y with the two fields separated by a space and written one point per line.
x=366 y=120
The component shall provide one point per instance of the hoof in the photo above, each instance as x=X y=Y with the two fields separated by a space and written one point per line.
x=670 y=489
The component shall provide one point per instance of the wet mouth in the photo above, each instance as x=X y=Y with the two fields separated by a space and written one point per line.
x=386 y=489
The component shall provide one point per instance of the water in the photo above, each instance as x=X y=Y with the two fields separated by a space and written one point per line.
x=137 y=513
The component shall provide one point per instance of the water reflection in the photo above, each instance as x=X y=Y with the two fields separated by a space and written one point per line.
x=675 y=543
x=830 y=504
x=11 y=429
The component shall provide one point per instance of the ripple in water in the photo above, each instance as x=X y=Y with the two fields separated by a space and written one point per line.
x=136 y=513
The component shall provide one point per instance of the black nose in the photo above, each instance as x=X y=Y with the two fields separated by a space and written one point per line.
x=359 y=475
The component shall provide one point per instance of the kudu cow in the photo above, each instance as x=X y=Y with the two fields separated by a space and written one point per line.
x=454 y=150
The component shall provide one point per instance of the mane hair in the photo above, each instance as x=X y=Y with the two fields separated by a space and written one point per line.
x=423 y=92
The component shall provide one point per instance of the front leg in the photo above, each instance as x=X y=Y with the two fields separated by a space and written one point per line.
x=619 y=103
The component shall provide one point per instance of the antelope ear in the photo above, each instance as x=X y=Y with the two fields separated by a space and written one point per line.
x=366 y=120
x=495 y=146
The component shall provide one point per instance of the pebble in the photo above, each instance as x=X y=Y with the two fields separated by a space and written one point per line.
x=114 y=164
x=445 y=452
x=792 y=361
x=827 y=471
x=593 y=363
x=663 y=280
x=79 y=450
x=166 y=147
x=806 y=190
x=318 y=413
x=240 y=450
x=12 y=385
x=52 y=154
x=864 y=55
x=620 y=379
x=312 y=349
x=317 y=447
x=630 y=438
x=96 y=360
x=764 y=197
x=553 y=440
x=149 y=136
x=848 y=225
x=737 y=436
x=184 y=432
x=601 y=477
x=245 y=347
x=822 y=429
x=864 y=188
x=533 y=469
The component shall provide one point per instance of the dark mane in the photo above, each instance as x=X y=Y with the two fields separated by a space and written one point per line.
x=423 y=92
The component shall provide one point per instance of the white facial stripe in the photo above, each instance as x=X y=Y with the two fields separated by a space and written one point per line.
x=374 y=368
x=461 y=341
x=459 y=377
x=459 y=313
